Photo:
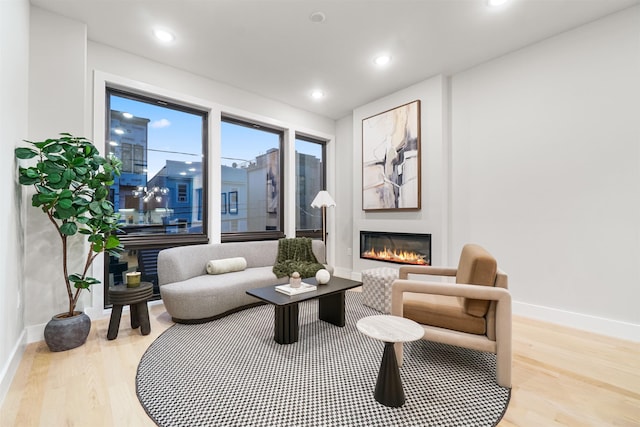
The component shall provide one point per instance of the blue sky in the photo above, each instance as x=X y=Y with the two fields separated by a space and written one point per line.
x=181 y=134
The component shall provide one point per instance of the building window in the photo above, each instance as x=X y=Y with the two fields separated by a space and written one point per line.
x=310 y=178
x=252 y=181
x=160 y=191
x=182 y=193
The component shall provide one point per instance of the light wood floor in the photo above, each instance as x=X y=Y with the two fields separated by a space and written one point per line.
x=561 y=377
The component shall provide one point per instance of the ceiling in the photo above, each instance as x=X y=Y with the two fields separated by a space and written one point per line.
x=272 y=48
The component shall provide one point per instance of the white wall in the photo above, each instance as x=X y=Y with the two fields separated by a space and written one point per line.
x=546 y=173
x=342 y=213
x=431 y=217
x=57 y=55
x=14 y=69
x=109 y=60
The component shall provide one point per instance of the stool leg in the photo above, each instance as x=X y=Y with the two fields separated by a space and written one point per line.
x=143 y=317
x=135 y=316
x=114 y=322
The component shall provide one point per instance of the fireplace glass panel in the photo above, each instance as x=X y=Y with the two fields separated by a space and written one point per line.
x=399 y=248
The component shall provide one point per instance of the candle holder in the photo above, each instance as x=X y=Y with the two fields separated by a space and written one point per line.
x=133 y=279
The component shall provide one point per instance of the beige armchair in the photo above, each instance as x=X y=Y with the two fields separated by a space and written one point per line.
x=474 y=312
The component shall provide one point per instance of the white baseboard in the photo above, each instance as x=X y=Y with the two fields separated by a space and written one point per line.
x=9 y=370
x=35 y=333
x=586 y=322
x=345 y=273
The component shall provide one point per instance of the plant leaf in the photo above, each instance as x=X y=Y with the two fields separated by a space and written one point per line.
x=69 y=228
x=65 y=203
x=95 y=208
x=25 y=180
x=69 y=175
x=25 y=153
x=55 y=178
x=112 y=242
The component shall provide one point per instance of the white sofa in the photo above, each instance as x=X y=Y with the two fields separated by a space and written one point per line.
x=191 y=295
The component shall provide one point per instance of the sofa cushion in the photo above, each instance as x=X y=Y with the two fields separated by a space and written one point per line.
x=441 y=311
x=476 y=267
x=226 y=265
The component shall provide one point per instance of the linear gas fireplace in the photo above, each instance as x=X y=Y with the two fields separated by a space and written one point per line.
x=400 y=248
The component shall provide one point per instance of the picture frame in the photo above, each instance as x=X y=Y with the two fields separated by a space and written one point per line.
x=391 y=162
x=233 y=202
x=223 y=203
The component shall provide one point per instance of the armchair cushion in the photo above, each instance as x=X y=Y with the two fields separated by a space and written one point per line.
x=441 y=311
x=476 y=267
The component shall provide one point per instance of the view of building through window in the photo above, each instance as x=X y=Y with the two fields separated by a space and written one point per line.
x=161 y=148
x=309 y=181
x=251 y=178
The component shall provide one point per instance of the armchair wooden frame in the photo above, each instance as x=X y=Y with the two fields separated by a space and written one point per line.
x=497 y=339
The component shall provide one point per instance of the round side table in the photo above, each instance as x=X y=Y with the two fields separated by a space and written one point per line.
x=136 y=298
x=390 y=330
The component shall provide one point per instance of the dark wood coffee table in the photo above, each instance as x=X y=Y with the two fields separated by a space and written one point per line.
x=330 y=305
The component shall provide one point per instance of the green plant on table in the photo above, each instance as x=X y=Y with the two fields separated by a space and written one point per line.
x=72 y=182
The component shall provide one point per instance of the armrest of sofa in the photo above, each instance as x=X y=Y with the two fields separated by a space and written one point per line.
x=405 y=270
x=400 y=286
x=170 y=267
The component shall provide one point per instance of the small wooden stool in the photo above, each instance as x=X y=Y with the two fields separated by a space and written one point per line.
x=136 y=298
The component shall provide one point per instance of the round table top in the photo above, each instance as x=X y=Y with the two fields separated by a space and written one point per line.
x=390 y=328
x=124 y=289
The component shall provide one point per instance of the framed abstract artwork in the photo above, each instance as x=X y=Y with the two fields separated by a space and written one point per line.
x=391 y=159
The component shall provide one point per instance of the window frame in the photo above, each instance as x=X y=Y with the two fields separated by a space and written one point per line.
x=167 y=239
x=312 y=233
x=245 y=236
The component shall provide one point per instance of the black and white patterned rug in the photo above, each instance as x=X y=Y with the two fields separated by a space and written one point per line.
x=230 y=372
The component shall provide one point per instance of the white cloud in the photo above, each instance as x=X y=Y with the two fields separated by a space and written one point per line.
x=162 y=123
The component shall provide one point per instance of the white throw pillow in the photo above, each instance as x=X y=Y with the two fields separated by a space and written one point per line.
x=226 y=265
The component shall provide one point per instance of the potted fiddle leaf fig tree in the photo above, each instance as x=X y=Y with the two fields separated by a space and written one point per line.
x=71 y=182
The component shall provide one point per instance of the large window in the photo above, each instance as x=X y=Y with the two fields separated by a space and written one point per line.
x=160 y=193
x=310 y=179
x=161 y=146
x=252 y=195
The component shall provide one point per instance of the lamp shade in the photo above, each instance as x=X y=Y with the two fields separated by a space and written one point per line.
x=322 y=199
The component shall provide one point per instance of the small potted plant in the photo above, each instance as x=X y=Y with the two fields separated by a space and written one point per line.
x=71 y=182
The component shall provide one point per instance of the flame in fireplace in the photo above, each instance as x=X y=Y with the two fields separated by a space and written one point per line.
x=404 y=257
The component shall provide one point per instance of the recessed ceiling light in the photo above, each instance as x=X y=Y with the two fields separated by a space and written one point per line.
x=183 y=173
x=192 y=169
x=119 y=131
x=113 y=143
x=317 y=94
x=127 y=115
x=317 y=17
x=163 y=35
x=382 y=60
x=494 y=3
